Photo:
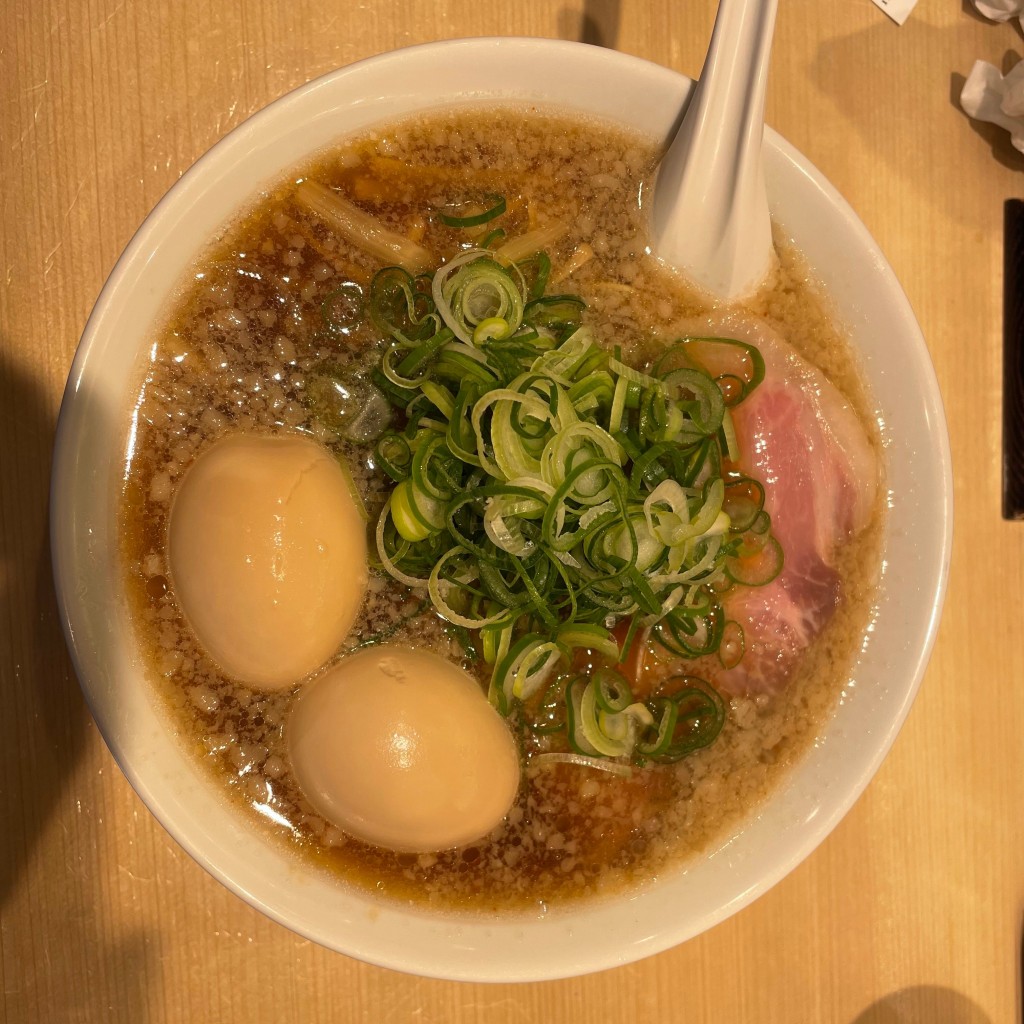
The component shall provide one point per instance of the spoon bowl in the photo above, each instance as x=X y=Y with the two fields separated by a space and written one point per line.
x=710 y=211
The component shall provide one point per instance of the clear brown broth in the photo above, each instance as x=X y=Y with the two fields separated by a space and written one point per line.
x=234 y=353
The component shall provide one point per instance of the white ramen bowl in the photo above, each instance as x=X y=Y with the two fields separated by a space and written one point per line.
x=93 y=435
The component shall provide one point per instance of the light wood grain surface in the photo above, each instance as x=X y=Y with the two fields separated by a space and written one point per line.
x=911 y=911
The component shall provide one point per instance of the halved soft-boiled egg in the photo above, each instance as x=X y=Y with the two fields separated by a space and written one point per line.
x=267 y=552
x=400 y=748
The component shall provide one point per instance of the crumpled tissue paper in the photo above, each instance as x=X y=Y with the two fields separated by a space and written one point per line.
x=990 y=96
x=1000 y=10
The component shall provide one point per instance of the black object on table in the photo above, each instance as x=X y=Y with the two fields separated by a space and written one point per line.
x=1013 y=359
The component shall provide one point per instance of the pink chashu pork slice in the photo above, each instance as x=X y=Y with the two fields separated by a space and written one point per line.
x=800 y=437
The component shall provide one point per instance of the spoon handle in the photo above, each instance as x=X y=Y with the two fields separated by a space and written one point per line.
x=715 y=159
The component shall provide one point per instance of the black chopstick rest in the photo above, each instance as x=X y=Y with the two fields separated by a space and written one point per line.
x=1013 y=359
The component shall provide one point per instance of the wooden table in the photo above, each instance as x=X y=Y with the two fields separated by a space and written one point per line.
x=910 y=912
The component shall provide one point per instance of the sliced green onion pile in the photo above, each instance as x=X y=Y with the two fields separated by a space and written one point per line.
x=544 y=490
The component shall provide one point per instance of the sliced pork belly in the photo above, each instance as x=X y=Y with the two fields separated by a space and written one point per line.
x=799 y=436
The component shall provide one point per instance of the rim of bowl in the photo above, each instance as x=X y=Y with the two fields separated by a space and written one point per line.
x=582 y=938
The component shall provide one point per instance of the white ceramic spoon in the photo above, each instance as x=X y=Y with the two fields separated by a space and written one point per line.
x=710 y=213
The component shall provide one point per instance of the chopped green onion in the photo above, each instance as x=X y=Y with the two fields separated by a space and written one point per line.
x=474 y=287
x=494 y=328
x=471 y=220
x=730 y=651
x=736 y=364
x=758 y=569
x=543 y=489
x=541 y=761
x=491 y=237
x=691 y=718
x=536 y=270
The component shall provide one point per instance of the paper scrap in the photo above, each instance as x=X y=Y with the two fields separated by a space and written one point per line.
x=989 y=96
x=898 y=10
x=1000 y=10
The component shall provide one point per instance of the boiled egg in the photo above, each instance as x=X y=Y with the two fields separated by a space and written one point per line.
x=400 y=748
x=267 y=552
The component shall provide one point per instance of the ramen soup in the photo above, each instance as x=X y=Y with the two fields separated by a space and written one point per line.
x=475 y=555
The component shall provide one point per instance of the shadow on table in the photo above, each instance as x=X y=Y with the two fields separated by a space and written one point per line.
x=44 y=715
x=49 y=890
x=923 y=1004
x=598 y=26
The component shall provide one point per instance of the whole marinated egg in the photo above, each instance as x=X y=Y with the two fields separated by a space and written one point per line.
x=400 y=748
x=267 y=552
